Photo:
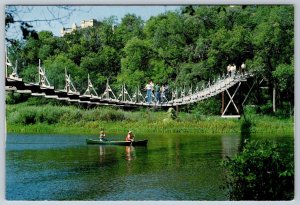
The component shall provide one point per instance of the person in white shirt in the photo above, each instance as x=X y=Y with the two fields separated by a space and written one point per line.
x=233 y=69
x=102 y=136
x=229 y=70
x=243 y=68
x=149 y=88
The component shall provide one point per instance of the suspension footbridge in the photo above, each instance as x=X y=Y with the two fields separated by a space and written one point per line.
x=43 y=88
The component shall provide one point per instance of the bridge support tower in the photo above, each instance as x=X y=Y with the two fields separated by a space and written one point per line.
x=238 y=106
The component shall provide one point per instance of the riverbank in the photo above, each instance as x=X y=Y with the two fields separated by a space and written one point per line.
x=73 y=120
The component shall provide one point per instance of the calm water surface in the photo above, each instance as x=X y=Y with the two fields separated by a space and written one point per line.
x=171 y=167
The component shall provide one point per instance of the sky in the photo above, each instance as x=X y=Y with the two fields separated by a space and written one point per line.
x=78 y=13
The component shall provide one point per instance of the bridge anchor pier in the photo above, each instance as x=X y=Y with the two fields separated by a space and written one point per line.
x=231 y=101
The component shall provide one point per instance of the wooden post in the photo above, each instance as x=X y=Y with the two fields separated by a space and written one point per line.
x=222 y=102
x=137 y=94
x=123 y=92
x=177 y=110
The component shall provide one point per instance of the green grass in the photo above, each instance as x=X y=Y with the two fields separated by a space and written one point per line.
x=22 y=118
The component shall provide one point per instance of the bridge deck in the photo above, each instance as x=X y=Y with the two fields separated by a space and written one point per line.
x=17 y=84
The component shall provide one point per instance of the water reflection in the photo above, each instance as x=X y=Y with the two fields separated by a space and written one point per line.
x=230 y=145
x=109 y=153
x=171 y=167
x=101 y=154
x=130 y=153
x=177 y=148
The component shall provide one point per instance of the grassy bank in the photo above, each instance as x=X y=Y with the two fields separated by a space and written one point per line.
x=22 y=118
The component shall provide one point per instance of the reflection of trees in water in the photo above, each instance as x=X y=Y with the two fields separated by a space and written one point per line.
x=177 y=147
x=230 y=145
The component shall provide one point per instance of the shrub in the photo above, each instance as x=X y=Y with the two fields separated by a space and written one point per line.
x=249 y=110
x=285 y=111
x=266 y=108
x=112 y=115
x=246 y=125
x=262 y=171
x=49 y=114
x=171 y=114
x=26 y=116
x=209 y=106
x=14 y=98
x=71 y=115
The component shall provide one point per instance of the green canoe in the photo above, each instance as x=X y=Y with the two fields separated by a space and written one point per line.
x=123 y=143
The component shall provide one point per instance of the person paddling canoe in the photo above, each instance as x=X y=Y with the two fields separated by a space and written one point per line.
x=130 y=136
x=102 y=136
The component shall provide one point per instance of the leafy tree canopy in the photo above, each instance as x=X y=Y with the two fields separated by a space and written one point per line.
x=188 y=46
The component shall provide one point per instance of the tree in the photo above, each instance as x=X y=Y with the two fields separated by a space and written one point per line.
x=76 y=52
x=55 y=71
x=48 y=44
x=110 y=61
x=107 y=32
x=262 y=171
x=130 y=26
x=273 y=42
x=14 y=20
x=136 y=62
x=284 y=78
x=186 y=48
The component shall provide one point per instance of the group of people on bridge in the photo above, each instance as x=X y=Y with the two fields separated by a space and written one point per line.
x=231 y=69
x=161 y=92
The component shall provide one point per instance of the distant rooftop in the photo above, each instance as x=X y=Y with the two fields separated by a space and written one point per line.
x=84 y=24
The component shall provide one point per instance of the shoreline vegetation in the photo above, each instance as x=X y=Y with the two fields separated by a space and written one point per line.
x=186 y=49
x=22 y=118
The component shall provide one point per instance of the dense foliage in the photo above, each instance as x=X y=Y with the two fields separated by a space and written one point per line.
x=262 y=171
x=182 y=48
x=46 y=116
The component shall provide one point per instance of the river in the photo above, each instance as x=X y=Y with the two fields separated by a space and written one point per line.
x=171 y=167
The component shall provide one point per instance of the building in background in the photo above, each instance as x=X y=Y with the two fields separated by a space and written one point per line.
x=84 y=24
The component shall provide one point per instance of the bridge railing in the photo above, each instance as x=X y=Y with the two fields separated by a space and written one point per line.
x=91 y=96
x=212 y=89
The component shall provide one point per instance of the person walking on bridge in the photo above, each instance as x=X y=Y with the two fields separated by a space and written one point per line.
x=229 y=70
x=233 y=69
x=157 y=92
x=243 y=68
x=149 y=88
x=164 y=93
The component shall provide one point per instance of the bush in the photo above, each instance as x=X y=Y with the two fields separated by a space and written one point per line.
x=172 y=114
x=49 y=114
x=71 y=115
x=14 y=98
x=285 y=111
x=26 y=116
x=21 y=114
x=249 y=110
x=266 y=108
x=246 y=126
x=262 y=171
x=92 y=114
x=209 y=106
x=112 y=115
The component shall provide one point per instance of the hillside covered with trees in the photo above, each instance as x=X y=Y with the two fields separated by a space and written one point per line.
x=182 y=48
